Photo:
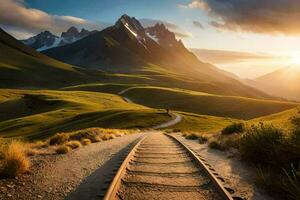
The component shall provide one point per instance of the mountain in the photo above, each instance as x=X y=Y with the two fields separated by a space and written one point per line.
x=23 y=67
x=282 y=83
x=128 y=47
x=46 y=40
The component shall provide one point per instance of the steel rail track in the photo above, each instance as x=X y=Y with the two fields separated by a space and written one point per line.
x=112 y=191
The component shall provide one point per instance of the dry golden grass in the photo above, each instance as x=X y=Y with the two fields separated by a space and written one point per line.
x=31 y=152
x=74 y=144
x=63 y=149
x=40 y=144
x=15 y=160
x=108 y=136
x=58 y=139
x=86 y=141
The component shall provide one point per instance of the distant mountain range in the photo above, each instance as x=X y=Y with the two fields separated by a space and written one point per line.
x=23 y=67
x=123 y=53
x=284 y=83
x=46 y=40
x=128 y=47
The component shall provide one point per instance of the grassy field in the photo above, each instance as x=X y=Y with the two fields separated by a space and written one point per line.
x=113 y=88
x=40 y=113
x=206 y=104
x=288 y=119
x=202 y=123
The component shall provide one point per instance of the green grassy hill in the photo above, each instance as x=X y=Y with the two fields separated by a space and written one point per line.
x=23 y=67
x=206 y=104
x=202 y=123
x=288 y=119
x=40 y=113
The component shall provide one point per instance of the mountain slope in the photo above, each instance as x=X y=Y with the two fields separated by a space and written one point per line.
x=127 y=47
x=205 y=104
x=22 y=66
x=282 y=83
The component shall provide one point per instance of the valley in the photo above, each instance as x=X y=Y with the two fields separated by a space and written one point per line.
x=86 y=98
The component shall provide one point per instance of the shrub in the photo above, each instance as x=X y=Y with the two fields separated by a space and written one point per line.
x=31 y=152
x=192 y=136
x=97 y=139
x=184 y=134
x=58 y=139
x=73 y=144
x=202 y=139
x=176 y=130
x=92 y=133
x=86 y=141
x=108 y=136
x=262 y=144
x=217 y=145
x=234 y=128
x=15 y=160
x=292 y=186
x=63 y=149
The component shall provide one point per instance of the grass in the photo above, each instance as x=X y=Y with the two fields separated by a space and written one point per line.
x=64 y=149
x=192 y=136
x=20 y=66
x=201 y=123
x=206 y=104
x=15 y=160
x=74 y=144
x=215 y=144
x=86 y=136
x=287 y=120
x=38 y=114
x=274 y=151
x=86 y=142
x=234 y=128
x=113 y=88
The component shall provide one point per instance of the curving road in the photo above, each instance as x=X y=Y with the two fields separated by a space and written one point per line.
x=176 y=117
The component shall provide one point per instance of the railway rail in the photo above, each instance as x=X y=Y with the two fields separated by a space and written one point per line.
x=161 y=167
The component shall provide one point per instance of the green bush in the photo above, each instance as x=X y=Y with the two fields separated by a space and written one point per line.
x=192 y=136
x=234 y=128
x=263 y=144
x=292 y=186
x=217 y=145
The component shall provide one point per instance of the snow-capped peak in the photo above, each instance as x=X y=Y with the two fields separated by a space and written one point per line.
x=46 y=39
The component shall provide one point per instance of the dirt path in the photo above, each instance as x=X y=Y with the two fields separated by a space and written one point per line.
x=162 y=169
x=176 y=120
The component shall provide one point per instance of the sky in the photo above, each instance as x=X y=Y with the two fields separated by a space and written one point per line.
x=267 y=31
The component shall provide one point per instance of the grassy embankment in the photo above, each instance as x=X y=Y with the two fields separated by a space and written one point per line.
x=37 y=114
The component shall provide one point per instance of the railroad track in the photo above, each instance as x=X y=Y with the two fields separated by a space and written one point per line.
x=161 y=167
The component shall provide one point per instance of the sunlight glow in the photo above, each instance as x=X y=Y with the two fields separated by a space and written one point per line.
x=296 y=58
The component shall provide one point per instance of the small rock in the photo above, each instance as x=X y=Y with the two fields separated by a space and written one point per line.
x=10 y=186
x=39 y=196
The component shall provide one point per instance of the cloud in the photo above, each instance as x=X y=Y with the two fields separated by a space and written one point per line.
x=198 y=24
x=16 y=18
x=224 y=57
x=268 y=17
x=179 y=32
